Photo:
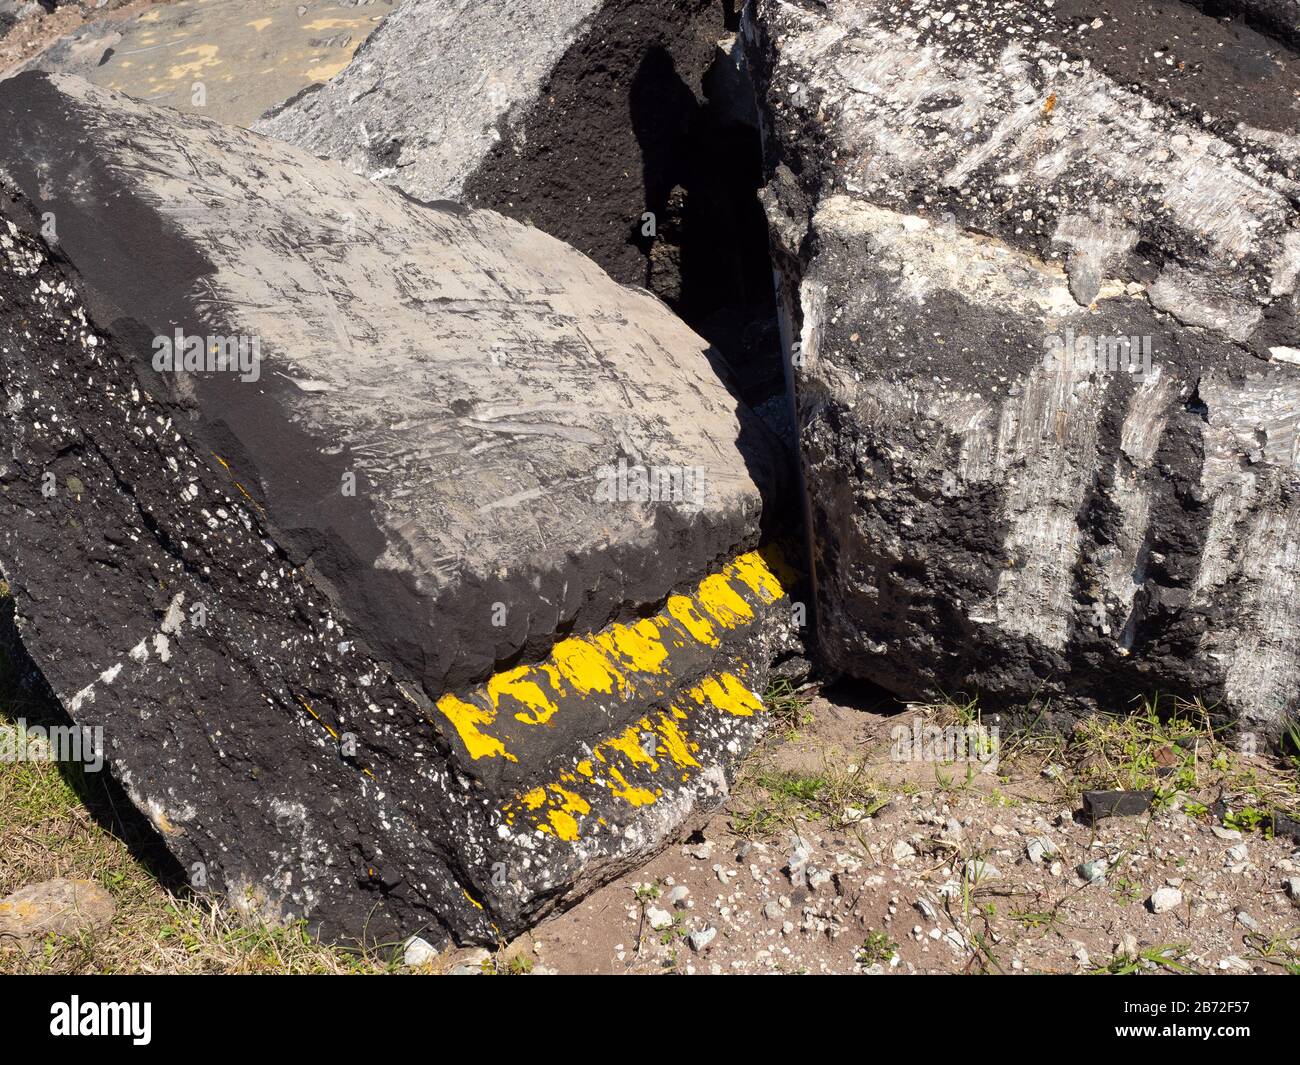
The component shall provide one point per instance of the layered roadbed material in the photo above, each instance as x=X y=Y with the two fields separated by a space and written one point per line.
x=1038 y=268
x=451 y=603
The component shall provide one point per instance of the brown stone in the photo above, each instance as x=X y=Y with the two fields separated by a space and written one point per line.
x=62 y=907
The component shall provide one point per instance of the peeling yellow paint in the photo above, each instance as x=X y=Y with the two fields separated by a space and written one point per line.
x=520 y=684
x=630 y=794
x=467 y=718
x=629 y=746
x=586 y=668
x=726 y=693
x=684 y=612
x=723 y=602
x=624 y=662
x=325 y=71
x=754 y=572
x=640 y=645
x=675 y=743
x=206 y=56
x=333 y=23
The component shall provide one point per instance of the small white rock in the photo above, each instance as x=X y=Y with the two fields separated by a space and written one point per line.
x=417 y=952
x=702 y=938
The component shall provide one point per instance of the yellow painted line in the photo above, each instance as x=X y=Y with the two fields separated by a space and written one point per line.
x=307 y=706
x=558 y=809
x=620 y=662
x=636 y=764
x=226 y=466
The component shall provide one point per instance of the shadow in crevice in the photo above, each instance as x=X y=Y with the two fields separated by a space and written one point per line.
x=707 y=256
x=26 y=698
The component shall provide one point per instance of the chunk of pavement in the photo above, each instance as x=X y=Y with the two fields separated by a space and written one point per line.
x=678 y=896
x=1164 y=899
x=55 y=907
x=1285 y=827
x=1100 y=804
x=658 y=919
x=426 y=96
x=401 y=500
x=230 y=60
x=1040 y=433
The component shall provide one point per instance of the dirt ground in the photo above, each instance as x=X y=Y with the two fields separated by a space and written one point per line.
x=837 y=852
x=835 y=856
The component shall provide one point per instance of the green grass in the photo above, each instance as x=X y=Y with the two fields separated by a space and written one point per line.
x=877 y=948
x=788 y=710
x=48 y=831
x=772 y=800
x=1168 y=957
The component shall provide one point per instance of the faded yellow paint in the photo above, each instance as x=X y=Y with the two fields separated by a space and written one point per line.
x=640 y=645
x=466 y=718
x=625 y=661
x=206 y=57
x=628 y=744
x=325 y=71
x=629 y=794
x=307 y=707
x=259 y=24
x=675 y=743
x=564 y=825
x=334 y=23
x=573 y=802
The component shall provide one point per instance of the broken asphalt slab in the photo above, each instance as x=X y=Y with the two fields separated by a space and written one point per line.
x=626 y=128
x=414 y=569
x=1100 y=804
x=1039 y=291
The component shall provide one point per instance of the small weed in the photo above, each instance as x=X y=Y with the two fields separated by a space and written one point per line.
x=1163 y=957
x=788 y=710
x=877 y=948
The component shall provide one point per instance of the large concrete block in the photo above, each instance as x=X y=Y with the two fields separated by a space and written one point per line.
x=451 y=601
x=1039 y=271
